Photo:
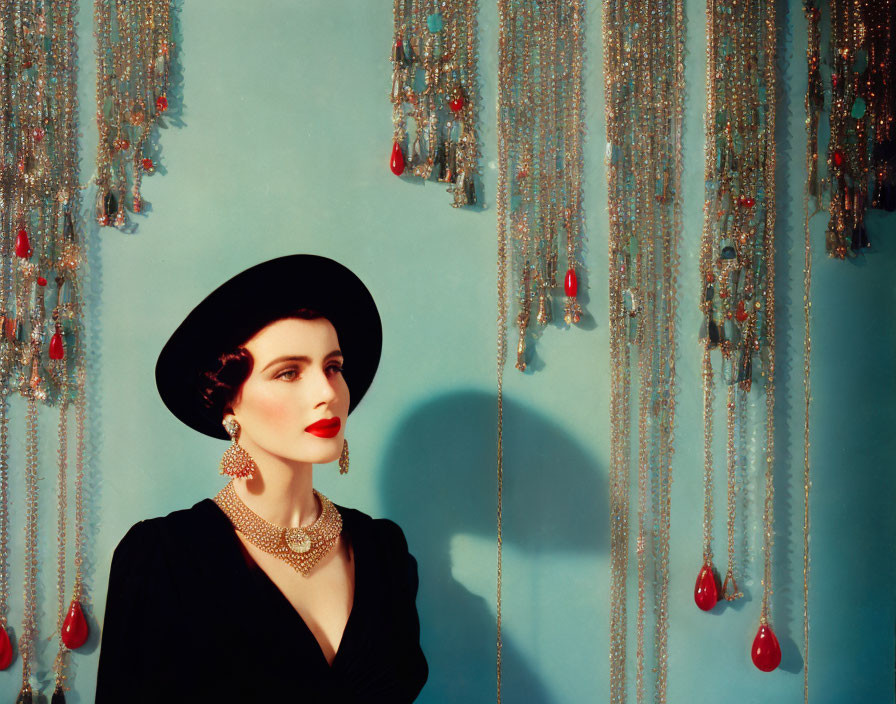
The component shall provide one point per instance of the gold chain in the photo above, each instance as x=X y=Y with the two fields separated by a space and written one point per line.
x=644 y=98
x=814 y=104
x=767 y=17
x=504 y=87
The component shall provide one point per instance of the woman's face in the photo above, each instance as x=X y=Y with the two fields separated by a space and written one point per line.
x=295 y=383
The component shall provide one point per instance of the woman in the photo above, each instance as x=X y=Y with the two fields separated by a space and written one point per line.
x=268 y=592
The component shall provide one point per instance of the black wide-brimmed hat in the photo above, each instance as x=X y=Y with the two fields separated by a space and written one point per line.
x=231 y=314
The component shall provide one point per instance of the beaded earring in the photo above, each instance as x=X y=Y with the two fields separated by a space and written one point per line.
x=236 y=462
x=343 y=458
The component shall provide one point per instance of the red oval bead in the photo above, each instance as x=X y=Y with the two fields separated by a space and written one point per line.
x=5 y=649
x=706 y=591
x=161 y=103
x=747 y=202
x=41 y=281
x=57 y=351
x=397 y=161
x=766 y=651
x=838 y=158
x=147 y=164
x=456 y=104
x=741 y=314
x=74 y=628
x=38 y=133
x=23 y=245
x=571 y=283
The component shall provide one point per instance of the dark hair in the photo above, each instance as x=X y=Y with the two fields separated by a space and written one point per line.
x=220 y=384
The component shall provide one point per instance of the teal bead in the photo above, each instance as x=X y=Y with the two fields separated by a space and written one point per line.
x=858 y=108
x=435 y=23
x=860 y=63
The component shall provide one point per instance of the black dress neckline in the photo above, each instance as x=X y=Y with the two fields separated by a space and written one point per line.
x=246 y=570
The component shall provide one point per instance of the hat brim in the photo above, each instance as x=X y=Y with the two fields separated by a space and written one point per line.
x=254 y=298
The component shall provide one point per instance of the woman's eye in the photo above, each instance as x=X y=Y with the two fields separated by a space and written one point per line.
x=292 y=374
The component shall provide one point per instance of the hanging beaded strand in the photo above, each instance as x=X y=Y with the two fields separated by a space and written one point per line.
x=814 y=105
x=737 y=266
x=505 y=48
x=435 y=83
x=861 y=160
x=542 y=125
x=7 y=360
x=614 y=20
x=644 y=97
x=40 y=193
x=133 y=55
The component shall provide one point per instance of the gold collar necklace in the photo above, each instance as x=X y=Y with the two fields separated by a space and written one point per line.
x=301 y=547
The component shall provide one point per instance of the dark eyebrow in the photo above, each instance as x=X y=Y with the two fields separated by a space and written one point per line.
x=296 y=358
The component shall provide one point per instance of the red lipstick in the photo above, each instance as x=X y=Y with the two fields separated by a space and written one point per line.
x=327 y=428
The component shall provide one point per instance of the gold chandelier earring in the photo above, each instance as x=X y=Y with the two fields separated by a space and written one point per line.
x=343 y=458
x=236 y=461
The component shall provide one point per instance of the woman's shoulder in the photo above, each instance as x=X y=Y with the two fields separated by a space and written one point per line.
x=382 y=530
x=177 y=528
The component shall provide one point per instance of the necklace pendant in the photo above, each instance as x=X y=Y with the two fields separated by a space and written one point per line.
x=706 y=593
x=766 y=652
x=298 y=540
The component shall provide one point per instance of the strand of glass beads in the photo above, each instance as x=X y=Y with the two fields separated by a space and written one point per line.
x=861 y=146
x=542 y=126
x=814 y=105
x=504 y=86
x=40 y=193
x=737 y=259
x=644 y=99
x=133 y=55
x=435 y=83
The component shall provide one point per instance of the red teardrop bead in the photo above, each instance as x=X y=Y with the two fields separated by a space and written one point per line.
x=161 y=103
x=74 y=628
x=23 y=245
x=571 y=283
x=706 y=591
x=838 y=158
x=5 y=649
x=57 y=351
x=766 y=652
x=456 y=104
x=741 y=313
x=397 y=161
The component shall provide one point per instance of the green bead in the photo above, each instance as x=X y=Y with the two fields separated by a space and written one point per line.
x=858 y=108
x=435 y=23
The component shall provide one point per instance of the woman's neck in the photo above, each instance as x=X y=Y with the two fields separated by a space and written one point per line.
x=280 y=491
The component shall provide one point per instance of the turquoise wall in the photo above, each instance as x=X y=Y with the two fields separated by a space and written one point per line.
x=281 y=146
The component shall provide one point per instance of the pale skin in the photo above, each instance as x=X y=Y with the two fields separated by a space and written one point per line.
x=279 y=399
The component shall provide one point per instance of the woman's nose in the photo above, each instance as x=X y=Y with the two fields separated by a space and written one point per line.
x=325 y=390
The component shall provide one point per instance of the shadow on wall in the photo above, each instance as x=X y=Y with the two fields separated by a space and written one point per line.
x=439 y=481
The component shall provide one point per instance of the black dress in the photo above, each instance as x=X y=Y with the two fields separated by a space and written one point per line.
x=190 y=617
